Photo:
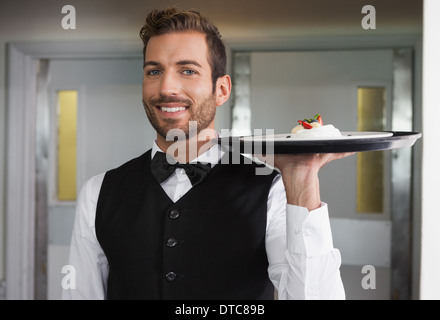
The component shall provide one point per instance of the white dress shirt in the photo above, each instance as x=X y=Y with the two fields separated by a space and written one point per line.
x=302 y=261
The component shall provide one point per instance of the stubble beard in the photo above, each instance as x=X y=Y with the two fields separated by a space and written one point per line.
x=203 y=115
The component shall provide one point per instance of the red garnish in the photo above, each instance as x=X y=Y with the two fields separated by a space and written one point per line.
x=307 y=125
x=320 y=120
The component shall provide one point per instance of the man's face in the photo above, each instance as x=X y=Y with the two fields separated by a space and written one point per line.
x=177 y=84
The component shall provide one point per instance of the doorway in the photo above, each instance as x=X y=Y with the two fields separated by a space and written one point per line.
x=355 y=90
x=38 y=224
x=111 y=128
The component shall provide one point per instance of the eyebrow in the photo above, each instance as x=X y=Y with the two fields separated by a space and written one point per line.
x=180 y=63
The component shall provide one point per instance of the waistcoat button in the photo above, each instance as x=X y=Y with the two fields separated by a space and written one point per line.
x=171 y=242
x=174 y=214
x=171 y=276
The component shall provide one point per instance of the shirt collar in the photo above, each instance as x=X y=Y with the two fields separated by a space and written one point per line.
x=212 y=155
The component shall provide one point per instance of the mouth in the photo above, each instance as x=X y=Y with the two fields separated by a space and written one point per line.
x=172 y=109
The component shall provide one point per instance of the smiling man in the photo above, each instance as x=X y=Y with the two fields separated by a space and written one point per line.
x=202 y=228
x=178 y=85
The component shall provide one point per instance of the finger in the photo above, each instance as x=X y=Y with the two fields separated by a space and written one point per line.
x=345 y=154
x=341 y=155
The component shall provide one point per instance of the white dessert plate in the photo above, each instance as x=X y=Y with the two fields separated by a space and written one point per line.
x=345 y=136
x=350 y=141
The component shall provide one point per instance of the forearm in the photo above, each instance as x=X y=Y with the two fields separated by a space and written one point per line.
x=308 y=267
x=302 y=188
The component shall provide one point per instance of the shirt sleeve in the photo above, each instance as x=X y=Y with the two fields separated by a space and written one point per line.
x=303 y=264
x=88 y=264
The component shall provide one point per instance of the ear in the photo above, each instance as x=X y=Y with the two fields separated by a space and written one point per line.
x=223 y=89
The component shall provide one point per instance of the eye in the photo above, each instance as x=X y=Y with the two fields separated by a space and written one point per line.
x=188 y=72
x=153 y=72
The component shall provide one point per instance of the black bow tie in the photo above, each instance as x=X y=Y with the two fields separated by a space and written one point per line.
x=162 y=168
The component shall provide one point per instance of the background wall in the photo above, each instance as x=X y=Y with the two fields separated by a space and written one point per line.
x=265 y=21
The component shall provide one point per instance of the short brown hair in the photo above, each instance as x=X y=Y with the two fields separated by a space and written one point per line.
x=171 y=19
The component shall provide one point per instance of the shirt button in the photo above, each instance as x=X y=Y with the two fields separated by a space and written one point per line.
x=174 y=214
x=171 y=276
x=171 y=242
x=296 y=230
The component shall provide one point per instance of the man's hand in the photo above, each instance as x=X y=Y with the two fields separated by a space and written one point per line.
x=300 y=176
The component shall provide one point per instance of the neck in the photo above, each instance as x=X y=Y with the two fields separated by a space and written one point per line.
x=187 y=150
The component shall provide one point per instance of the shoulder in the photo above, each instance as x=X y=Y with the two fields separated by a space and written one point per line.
x=92 y=186
x=87 y=200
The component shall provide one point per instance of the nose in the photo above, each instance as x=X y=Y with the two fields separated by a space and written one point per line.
x=169 y=84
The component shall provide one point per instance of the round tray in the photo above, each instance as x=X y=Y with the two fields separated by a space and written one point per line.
x=355 y=141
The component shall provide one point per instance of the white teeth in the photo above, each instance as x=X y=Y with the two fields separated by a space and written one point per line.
x=174 y=109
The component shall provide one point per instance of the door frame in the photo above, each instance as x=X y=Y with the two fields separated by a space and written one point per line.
x=26 y=245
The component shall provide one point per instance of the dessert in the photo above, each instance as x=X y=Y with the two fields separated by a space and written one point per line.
x=314 y=128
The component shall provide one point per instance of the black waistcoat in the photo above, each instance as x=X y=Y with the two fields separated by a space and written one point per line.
x=208 y=245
